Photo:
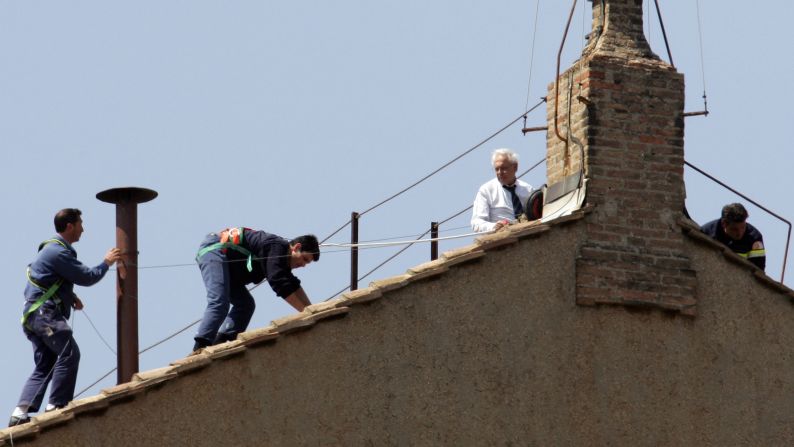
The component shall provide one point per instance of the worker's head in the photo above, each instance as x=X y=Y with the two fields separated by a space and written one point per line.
x=303 y=250
x=505 y=164
x=69 y=224
x=734 y=220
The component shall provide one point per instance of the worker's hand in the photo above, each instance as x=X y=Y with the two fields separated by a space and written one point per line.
x=113 y=255
x=78 y=303
x=501 y=224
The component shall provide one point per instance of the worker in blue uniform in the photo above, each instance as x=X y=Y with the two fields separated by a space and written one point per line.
x=231 y=259
x=49 y=299
x=733 y=230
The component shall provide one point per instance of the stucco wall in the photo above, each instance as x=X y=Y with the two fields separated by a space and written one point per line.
x=493 y=352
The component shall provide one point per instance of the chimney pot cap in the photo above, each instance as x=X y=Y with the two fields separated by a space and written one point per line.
x=127 y=194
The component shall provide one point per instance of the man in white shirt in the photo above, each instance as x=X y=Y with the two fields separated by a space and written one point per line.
x=501 y=201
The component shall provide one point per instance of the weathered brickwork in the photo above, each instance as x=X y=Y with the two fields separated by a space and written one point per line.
x=622 y=108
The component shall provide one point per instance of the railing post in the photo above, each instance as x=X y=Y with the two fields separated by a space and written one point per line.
x=354 y=250
x=434 y=242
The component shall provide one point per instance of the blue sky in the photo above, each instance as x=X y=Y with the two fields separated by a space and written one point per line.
x=288 y=116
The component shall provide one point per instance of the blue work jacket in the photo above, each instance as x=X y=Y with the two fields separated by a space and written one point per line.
x=53 y=262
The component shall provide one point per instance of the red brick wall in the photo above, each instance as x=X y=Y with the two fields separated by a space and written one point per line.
x=626 y=116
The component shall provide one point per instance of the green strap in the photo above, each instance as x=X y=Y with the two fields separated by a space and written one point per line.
x=49 y=241
x=220 y=245
x=48 y=293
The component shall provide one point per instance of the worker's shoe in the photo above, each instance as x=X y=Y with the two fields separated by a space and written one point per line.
x=223 y=337
x=51 y=407
x=196 y=352
x=18 y=420
x=200 y=344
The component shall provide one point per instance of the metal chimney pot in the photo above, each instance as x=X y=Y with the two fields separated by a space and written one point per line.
x=126 y=201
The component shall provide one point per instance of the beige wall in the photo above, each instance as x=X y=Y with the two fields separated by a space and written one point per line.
x=493 y=352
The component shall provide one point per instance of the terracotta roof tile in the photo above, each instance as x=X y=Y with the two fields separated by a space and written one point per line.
x=225 y=349
x=387 y=284
x=123 y=390
x=87 y=405
x=462 y=255
x=154 y=376
x=495 y=240
x=329 y=313
x=292 y=323
x=19 y=432
x=53 y=418
x=323 y=306
x=437 y=269
x=257 y=336
x=433 y=266
x=524 y=231
x=361 y=296
x=191 y=363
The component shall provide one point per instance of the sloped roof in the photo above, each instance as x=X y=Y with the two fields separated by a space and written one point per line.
x=145 y=381
x=691 y=229
x=338 y=307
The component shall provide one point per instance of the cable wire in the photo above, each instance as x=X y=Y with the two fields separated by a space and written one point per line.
x=476 y=146
x=393 y=243
x=95 y=382
x=702 y=63
x=379 y=265
x=664 y=32
x=177 y=332
x=532 y=55
x=445 y=165
x=97 y=332
x=139 y=353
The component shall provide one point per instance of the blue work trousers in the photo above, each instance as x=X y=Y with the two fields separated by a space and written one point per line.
x=56 y=357
x=219 y=324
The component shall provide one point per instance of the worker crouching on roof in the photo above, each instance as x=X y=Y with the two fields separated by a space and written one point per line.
x=49 y=299
x=733 y=230
x=235 y=257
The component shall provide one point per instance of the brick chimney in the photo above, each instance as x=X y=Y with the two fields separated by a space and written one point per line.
x=621 y=107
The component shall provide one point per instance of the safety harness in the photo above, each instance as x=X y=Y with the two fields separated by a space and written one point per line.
x=230 y=238
x=48 y=292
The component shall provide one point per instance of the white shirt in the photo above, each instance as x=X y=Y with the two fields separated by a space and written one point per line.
x=494 y=203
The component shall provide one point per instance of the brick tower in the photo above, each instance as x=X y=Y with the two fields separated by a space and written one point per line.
x=620 y=107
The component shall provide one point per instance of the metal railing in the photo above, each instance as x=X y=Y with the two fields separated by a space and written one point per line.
x=433 y=230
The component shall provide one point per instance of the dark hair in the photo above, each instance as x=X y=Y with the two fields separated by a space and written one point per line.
x=64 y=217
x=734 y=213
x=309 y=244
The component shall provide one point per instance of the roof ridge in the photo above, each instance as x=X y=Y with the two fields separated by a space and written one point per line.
x=692 y=230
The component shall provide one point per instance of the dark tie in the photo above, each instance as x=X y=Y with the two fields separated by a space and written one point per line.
x=517 y=208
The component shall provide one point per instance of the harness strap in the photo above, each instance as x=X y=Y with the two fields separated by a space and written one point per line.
x=230 y=238
x=48 y=292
